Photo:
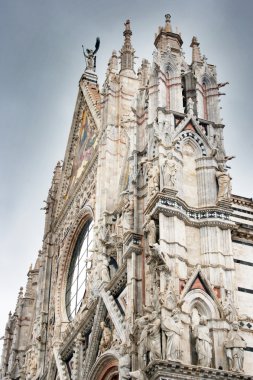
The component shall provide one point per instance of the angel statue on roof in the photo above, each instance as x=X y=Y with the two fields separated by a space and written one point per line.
x=90 y=56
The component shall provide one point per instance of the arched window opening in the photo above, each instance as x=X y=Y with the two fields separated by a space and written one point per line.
x=77 y=275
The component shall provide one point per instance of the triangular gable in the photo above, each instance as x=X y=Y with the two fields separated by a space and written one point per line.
x=82 y=142
x=190 y=127
x=198 y=280
x=190 y=123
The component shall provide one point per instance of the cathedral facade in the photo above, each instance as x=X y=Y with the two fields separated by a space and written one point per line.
x=146 y=268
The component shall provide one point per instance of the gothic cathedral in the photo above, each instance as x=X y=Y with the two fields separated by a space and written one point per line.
x=146 y=267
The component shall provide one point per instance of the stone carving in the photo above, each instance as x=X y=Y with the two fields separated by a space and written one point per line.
x=124 y=363
x=31 y=366
x=153 y=180
x=234 y=345
x=229 y=308
x=90 y=56
x=190 y=105
x=218 y=150
x=203 y=343
x=224 y=183
x=150 y=336
x=103 y=268
x=173 y=329
x=127 y=212
x=169 y=171
x=150 y=229
x=168 y=298
x=138 y=375
x=154 y=336
x=106 y=339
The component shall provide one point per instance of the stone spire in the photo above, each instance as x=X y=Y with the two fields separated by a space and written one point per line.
x=165 y=38
x=127 y=51
x=113 y=63
x=196 y=55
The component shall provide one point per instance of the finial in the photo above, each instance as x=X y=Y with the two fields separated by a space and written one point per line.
x=127 y=51
x=196 y=55
x=167 y=23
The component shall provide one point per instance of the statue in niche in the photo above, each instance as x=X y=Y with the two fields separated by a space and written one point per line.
x=230 y=311
x=103 y=268
x=224 y=183
x=106 y=339
x=173 y=329
x=150 y=229
x=153 y=180
x=90 y=56
x=169 y=171
x=234 y=345
x=127 y=212
x=124 y=363
x=203 y=343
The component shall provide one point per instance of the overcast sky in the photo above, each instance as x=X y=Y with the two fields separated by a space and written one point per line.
x=41 y=63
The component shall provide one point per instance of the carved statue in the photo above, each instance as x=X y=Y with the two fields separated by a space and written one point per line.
x=229 y=308
x=106 y=339
x=103 y=268
x=172 y=326
x=142 y=324
x=218 y=150
x=154 y=336
x=203 y=343
x=90 y=56
x=224 y=183
x=153 y=180
x=169 y=170
x=150 y=229
x=127 y=212
x=124 y=363
x=168 y=298
x=235 y=345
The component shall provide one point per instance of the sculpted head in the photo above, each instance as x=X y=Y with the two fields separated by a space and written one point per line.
x=203 y=320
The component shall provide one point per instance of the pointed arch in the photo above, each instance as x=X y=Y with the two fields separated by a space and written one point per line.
x=105 y=367
x=85 y=214
x=192 y=138
x=199 y=299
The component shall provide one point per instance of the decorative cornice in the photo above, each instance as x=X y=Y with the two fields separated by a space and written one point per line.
x=132 y=243
x=214 y=216
x=168 y=370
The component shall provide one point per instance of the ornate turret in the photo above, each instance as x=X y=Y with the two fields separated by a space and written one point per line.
x=127 y=51
x=166 y=38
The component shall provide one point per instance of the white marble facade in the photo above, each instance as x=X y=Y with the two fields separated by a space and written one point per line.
x=146 y=266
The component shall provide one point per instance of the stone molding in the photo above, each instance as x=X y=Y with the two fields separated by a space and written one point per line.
x=212 y=216
x=168 y=370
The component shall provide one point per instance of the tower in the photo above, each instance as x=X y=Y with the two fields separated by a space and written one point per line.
x=141 y=272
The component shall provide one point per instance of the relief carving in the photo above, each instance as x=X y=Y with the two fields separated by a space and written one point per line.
x=203 y=343
x=235 y=345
